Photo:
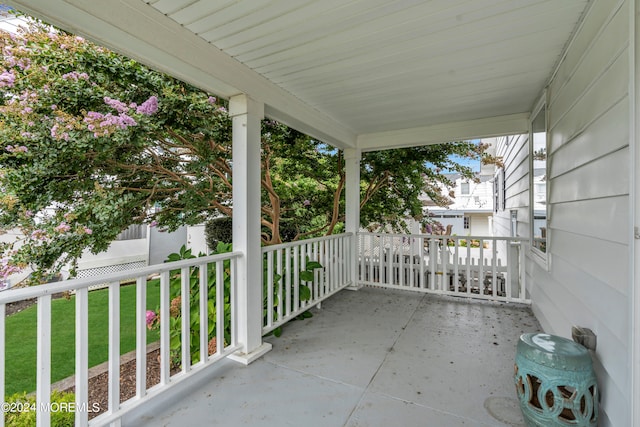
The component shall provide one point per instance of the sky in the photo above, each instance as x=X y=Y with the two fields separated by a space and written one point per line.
x=474 y=164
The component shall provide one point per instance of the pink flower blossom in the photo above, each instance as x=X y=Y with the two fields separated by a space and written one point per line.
x=7 y=269
x=150 y=318
x=39 y=235
x=148 y=107
x=87 y=230
x=63 y=227
x=75 y=76
x=212 y=100
x=103 y=125
x=154 y=223
x=119 y=106
x=7 y=78
x=16 y=149
x=58 y=135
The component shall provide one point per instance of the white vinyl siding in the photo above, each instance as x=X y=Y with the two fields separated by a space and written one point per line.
x=515 y=154
x=587 y=280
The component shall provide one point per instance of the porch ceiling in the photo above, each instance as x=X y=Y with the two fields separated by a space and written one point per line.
x=355 y=73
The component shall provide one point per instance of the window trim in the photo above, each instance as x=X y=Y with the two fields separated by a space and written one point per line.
x=541 y=257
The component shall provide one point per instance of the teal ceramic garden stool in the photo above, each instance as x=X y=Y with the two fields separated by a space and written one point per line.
x=555 y=382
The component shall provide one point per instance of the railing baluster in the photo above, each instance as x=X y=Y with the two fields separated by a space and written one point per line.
x=412 y=262
x=203 y=283
x=469 y=262
x=82 y=357
x=344 y=258
x=335 y=264
x=494 y=272
x=185 y=312
x=390 y=261
x=43 y=375
x=296 y=277
x=456 y=263
x=165 y=341
x=303 y=266
x=141 y=337
x=232 y=301
x=433 y=262
x=220 y=306
x=114 y=346
x=481 y=266
x=350 y=247
x=269 y=288
x=288 y=277
x=314 y=284
x=400 y=253
x=280 y=284
x=318 y=272
x=361 y=261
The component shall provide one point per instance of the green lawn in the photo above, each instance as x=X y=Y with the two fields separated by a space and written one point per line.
x=20 y=356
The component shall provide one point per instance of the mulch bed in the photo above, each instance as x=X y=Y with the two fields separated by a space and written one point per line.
x=99 y=384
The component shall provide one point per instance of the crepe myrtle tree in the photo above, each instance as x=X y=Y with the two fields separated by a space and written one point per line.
x=93 y=142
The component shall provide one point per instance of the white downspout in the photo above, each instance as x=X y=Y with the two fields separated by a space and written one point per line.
x=634 y=205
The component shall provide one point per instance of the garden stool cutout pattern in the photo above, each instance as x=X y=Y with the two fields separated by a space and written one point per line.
x=555 y=382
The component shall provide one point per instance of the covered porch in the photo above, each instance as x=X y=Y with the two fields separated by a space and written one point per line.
x=376 y=75
x=372 y=357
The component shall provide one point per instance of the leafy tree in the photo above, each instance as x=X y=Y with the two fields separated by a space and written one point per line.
x=94 y=142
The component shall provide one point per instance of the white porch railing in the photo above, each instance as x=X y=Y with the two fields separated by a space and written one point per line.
x=193 y=276
x=286 y=293
x=475 y=267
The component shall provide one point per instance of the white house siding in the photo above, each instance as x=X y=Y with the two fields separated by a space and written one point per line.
x=586 y=279
x=514 y=150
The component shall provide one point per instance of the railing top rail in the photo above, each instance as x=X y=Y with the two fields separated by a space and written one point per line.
x=13 y=295
x=270 y=248
x=444 y=236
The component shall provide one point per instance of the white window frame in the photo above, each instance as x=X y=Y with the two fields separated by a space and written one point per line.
x=463 y=185
x=541 y=257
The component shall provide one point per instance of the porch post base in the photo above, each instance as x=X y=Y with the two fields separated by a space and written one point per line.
x=354 y=287
x=247 y=358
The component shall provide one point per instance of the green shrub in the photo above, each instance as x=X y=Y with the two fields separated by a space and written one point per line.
x=21 y=410
x=218 y=230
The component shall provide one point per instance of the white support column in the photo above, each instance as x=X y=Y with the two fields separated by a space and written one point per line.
x=352 y=158
x=246 y=116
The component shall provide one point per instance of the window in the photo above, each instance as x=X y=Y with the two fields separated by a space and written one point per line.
x=464 y=188
x=539 y=194
x=467 y=222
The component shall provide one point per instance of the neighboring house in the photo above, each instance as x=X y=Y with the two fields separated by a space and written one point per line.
x=137 y=246
x=471 y=210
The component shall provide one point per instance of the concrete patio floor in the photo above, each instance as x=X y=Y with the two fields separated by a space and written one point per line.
x=373 y=357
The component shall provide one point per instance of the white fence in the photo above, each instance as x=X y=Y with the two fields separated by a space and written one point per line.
x=477 y=267
x=286 y=292
x=202 y=277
